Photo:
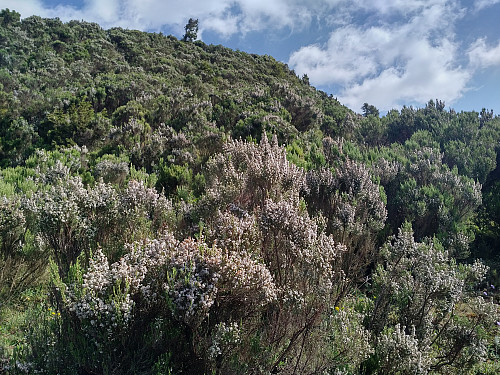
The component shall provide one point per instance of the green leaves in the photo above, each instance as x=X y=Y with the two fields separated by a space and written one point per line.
x=422 y=308
x=297 y=277
x=191 y=30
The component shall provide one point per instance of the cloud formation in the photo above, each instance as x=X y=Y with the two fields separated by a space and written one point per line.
x=481 y=4
x=483 y=56
x=225 y=17
x=391 y=63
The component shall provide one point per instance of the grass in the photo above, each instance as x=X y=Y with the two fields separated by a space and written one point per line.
x=13 y=320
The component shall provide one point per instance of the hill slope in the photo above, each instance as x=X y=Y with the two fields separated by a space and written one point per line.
x=176 y=207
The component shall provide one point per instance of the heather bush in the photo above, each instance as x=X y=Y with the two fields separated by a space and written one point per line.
x=246 y=175
x=266 y=297
x=303 y=262
x=354 y=209
x=399 y=352
x=57 y=215
x=112 y=170
x=70 y=217
x=280 y=232
x=427 y=310
x=162 y=297
x=436 y=200
x=22 y=259
x=347 y=343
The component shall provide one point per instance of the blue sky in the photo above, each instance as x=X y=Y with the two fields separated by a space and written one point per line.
x=388 y=53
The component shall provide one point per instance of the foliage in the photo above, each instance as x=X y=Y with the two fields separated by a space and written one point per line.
x=203 y=210
x=191 y=30
x=424 y=313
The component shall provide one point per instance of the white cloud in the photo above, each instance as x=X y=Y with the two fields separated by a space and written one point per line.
x=428 y=74
x=225 y=17
x=27 y=7
x=482 y=56
x=347 y=56
x=404 y=7
x=386 y=64
x=107 y=13
x=481 y=4
x=223 y=26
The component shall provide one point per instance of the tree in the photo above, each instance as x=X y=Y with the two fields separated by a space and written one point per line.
x=191 y=30
x=8 y=17
x=369 y=109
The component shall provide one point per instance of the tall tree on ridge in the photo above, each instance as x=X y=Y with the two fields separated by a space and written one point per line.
x=191 y=30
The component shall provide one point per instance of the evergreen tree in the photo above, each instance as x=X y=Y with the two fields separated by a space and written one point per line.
x=191 y=30
x=369 y=109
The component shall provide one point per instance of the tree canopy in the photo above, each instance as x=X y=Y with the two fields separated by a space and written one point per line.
x=191 y=30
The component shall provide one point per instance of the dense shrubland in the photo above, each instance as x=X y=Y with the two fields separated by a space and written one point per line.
x=175 y=207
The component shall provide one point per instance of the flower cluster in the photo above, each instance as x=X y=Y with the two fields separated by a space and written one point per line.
x=234 y=230
x=400 y=353
x=102 y=303
x=421 y=298
x=349 y=341
x=190 y=273
x=354 y=208
x=113 y=172
x=246 y=174
x=72 y=217
x=225 y=337
x=299 y=255
x=245 y=282
x=349 y=199
x=192 y=281
x=386 y=170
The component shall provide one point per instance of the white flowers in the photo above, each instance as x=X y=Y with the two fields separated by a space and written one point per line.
x=247 y=174
x=400 y=353
x=191 y=275
x=422 y=294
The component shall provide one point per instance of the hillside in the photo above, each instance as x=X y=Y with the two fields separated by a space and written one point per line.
x=171 y=207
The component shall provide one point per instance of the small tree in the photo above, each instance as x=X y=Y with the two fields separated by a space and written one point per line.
x=369 y=109
x=8 y=17
x=191 y=30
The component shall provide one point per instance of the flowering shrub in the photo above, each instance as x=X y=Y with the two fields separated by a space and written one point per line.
x=348 y=342
x=425 y=308
x=355 y=211
x=113 y=307
x=298 y=253
x=60 y=221
x=246 y=175
x=255 y=191
x=400 y=353
x=112 y=171
x=235 y=230
x=71 y=217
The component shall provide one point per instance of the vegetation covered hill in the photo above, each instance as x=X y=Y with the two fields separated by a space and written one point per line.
x=174 y=207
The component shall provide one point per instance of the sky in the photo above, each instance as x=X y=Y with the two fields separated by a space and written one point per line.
x=387 y=53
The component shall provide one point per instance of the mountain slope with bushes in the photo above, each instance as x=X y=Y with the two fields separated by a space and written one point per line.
x=172 y=207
